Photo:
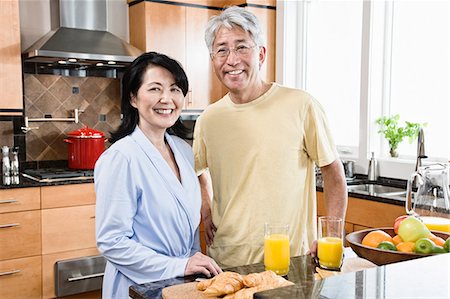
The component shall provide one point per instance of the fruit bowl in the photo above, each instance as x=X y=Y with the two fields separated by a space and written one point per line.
x=383 y=257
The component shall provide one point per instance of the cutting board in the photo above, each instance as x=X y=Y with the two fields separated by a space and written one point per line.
x=189 y=290
x=184 y=291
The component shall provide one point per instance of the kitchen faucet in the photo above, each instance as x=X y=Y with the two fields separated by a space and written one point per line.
x=420 y=149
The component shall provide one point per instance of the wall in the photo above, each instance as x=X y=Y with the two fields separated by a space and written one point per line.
x=45 y=95
x=57 y=96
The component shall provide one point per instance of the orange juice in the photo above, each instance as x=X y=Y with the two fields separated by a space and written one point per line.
x=437 y=223
x=276 y=253
x=330 y=252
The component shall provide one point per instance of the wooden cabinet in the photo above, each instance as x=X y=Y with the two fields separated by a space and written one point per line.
x=20 y=278
x=363 y=213
x=177 y=28
x=20 y=243
x=267 y=18
x=68 y=228
x=11 y=102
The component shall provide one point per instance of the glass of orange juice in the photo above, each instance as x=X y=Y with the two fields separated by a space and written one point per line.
x=276 y=248
x=330 y=242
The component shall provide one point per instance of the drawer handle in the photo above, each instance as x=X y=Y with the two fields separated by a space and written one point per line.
x=70 y=279
x=9 y=225
x=9 y=272
x=8 y=201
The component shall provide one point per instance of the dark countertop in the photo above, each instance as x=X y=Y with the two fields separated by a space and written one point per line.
x=26 y=183
x=426 y=277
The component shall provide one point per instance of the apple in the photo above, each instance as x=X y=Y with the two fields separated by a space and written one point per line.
x=397 y=222
x=412 y=229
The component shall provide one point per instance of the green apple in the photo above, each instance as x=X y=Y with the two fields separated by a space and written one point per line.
x=447 y=245
x=424 y=245
x=412 y=229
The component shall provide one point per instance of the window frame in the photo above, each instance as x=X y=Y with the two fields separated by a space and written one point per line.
x=294 y=14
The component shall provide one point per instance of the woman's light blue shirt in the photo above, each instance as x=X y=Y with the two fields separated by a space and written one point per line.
x=146 y=219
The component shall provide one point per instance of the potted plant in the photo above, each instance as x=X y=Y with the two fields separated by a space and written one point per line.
x=394 y=133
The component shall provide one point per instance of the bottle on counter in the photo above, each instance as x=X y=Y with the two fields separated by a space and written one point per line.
x=372 y=173
x=15 y=166
x=6 y=166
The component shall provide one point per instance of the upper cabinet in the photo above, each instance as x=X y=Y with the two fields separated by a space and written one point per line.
x=11 y=101
x=176 y=28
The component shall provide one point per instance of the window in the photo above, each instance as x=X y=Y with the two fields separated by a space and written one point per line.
x=363 y=59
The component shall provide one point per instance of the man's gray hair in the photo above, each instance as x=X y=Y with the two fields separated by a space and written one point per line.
x=233 y=17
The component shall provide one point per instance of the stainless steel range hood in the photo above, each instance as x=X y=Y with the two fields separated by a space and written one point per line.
x=81 y=46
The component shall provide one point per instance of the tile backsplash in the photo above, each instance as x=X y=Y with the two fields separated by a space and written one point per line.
x=57 y=96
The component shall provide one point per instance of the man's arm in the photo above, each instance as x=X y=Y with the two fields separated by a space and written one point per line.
x=207 y=194
x=335 y=189
x=335 y=193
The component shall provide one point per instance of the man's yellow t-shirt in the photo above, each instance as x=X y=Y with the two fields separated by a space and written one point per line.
x=261 y=158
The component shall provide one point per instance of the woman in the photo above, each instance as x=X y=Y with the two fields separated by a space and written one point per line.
x=148 y=197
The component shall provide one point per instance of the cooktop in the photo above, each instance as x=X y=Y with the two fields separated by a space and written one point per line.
x=57 y=174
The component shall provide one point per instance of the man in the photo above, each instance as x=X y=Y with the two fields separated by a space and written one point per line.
x=260 y=143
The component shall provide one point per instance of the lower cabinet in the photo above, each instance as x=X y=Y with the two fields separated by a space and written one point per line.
x=363 y=213
x=21 y=278
x=68 y=230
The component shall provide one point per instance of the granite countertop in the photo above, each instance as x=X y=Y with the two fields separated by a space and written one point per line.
x=26 y=183
x=426 y=277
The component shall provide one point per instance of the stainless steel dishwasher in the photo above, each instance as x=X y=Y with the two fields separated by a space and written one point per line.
x=75 y=276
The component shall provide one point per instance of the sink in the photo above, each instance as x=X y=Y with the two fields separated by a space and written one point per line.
x=377 y=190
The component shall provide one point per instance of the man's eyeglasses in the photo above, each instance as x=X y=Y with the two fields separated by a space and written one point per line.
x=241 y=50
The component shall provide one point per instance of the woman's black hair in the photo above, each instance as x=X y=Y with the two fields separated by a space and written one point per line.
x=132 y=81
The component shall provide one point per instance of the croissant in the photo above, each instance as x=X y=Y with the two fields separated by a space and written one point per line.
x=223 y=284
x=202 y=285
x=266 y=278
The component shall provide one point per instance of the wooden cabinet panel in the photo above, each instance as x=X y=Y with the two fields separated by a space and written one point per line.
x=267 y=18
x=67 y=195
x=166 y=26
x=371 y=213
x=205 y=87
x=363 y=213
x=26 y=283
x=357 y=227
x=65 y=229
x=20 y=234
x=321 y=211
x=10 y=61
x=48 y=270
x=177 y=29
x=23 y=199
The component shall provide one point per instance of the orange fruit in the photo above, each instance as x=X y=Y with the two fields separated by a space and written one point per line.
x=406 y=247
x=437 y=240
x=375 y=237
x=397 y=240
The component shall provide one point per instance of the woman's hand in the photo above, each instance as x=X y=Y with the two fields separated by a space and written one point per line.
x=200 y=263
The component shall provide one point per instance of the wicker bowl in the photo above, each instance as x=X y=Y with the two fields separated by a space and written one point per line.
x=383 y=257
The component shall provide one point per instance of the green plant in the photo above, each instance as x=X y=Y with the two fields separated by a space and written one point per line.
x=395 y=134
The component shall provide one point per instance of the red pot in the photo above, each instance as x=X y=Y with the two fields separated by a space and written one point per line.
x=85 y=146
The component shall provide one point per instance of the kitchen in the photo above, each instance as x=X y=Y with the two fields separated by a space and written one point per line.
x=98 y=97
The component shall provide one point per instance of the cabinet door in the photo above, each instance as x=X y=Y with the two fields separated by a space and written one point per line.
x=162 y=27
x=21 y=278
x=67 y=195
x=22 y=199
x=267 y=19
x=20 y=234
x=11 y=102
x=205 y=88
x=68 y=228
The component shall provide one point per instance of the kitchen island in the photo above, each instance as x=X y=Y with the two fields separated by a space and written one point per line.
x=426 y=277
